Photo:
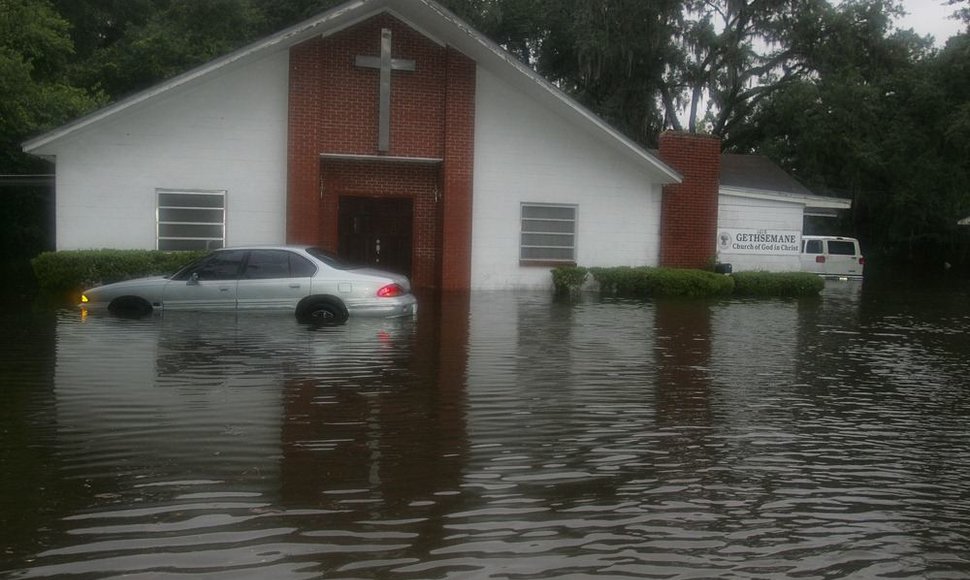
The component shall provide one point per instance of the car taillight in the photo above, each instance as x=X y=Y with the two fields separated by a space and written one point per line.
x=390 y=291
x=820 y=259
x=862 y=261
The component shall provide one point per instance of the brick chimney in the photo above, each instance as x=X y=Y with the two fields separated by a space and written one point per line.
x=688 y=217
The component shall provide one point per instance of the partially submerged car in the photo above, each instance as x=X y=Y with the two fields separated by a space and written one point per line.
x=313 y=284
x=832 y=256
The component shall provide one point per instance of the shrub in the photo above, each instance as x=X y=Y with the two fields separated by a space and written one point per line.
x=646 y=282
x=74 y=270
x=568 y=279
x=785 y=284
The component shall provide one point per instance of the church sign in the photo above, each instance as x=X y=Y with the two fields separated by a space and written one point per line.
x=750 y=241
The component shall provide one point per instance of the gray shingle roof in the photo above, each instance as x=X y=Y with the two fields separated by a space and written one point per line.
x=757 y=172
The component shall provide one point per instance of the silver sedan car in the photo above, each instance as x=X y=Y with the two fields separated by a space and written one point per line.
x=315 y=285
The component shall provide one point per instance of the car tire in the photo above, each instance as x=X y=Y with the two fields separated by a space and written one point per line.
x=130 y=307
x=322 y=312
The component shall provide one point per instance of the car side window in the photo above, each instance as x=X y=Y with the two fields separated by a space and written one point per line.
x=220 y=266
x=269 y=264
x=813 y=247
x=300 y=267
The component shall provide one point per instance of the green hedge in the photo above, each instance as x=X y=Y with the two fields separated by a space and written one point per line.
x=642 y=282
x=568 y=279
x=73 y=270
x=645 y=282
x=786 y=284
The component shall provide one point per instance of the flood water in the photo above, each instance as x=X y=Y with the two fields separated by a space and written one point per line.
x=499 y=435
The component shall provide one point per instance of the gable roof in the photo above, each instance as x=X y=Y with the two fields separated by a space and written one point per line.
x=425 y=16
x=759 y=177
x=757 y=172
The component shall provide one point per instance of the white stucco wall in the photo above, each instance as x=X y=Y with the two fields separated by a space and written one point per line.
x=525 y=153
x=746 y=213
x=227 y=132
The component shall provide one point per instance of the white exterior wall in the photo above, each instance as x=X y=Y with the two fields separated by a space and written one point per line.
x=525 y=153
x=225 y=133
x=737 y=212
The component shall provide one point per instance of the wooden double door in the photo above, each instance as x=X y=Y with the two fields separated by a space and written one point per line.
x=376 y=231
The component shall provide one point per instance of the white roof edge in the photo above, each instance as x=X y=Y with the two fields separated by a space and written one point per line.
x=347 y=12
x=551 y=89
x=420 y=29
x=303 y=29
x=808 y=200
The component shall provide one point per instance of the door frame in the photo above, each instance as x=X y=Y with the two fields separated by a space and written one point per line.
x=395 y=210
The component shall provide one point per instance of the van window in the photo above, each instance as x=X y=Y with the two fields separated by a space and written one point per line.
x=813 y=246
x=841 y=248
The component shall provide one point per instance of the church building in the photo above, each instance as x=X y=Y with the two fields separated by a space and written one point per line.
x=391 y=133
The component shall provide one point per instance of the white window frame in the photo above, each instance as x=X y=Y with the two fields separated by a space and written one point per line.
x=526 y=229
x=205 y=218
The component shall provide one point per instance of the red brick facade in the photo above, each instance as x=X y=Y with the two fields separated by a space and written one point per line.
x=457 y=173
x=334 y=153
x=688 y=227
x=333 y=111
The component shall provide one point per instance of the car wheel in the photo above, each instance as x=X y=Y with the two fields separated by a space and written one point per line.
x=130 y=307
x=321 y=312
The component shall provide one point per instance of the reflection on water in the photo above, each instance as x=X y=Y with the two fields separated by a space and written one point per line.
x=499 y=435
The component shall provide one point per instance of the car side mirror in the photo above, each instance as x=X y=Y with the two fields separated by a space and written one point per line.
x=193 y=279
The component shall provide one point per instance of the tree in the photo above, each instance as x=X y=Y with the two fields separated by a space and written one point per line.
x=35 y=51
x=608 y=54
x=96 y=24
x=611 y=55
x=883 y=119
x=732 y=55
x=645 y=66
x=129 y=45
x=961 y=13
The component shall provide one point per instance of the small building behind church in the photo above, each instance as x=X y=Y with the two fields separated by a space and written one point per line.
x=762 y=213
x=392 y=133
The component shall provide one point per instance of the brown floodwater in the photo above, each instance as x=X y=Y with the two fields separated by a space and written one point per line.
x=498 y=435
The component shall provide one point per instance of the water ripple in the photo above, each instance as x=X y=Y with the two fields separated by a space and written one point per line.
x=498 y=436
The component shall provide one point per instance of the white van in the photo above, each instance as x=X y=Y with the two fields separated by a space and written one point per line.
x=832 y=256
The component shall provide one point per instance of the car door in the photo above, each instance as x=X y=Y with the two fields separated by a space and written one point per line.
x=842 y=258
x=813 y=259
x=274 y=279
x=209 y=285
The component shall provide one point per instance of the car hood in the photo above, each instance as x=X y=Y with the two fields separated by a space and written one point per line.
x=133 y=283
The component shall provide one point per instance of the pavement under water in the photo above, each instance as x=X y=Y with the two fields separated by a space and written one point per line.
x=498 y=435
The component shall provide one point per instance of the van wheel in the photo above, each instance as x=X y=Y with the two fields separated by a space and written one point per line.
x=322 y=312
x=130 y=307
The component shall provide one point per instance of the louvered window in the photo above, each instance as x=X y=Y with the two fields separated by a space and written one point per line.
x=191 y=220
x=548 y=233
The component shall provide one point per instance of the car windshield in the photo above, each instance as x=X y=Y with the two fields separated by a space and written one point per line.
x=331 y=260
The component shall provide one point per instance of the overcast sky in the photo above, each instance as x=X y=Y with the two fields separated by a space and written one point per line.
x=930 y=17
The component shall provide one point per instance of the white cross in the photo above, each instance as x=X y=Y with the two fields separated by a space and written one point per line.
x=385 y=64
